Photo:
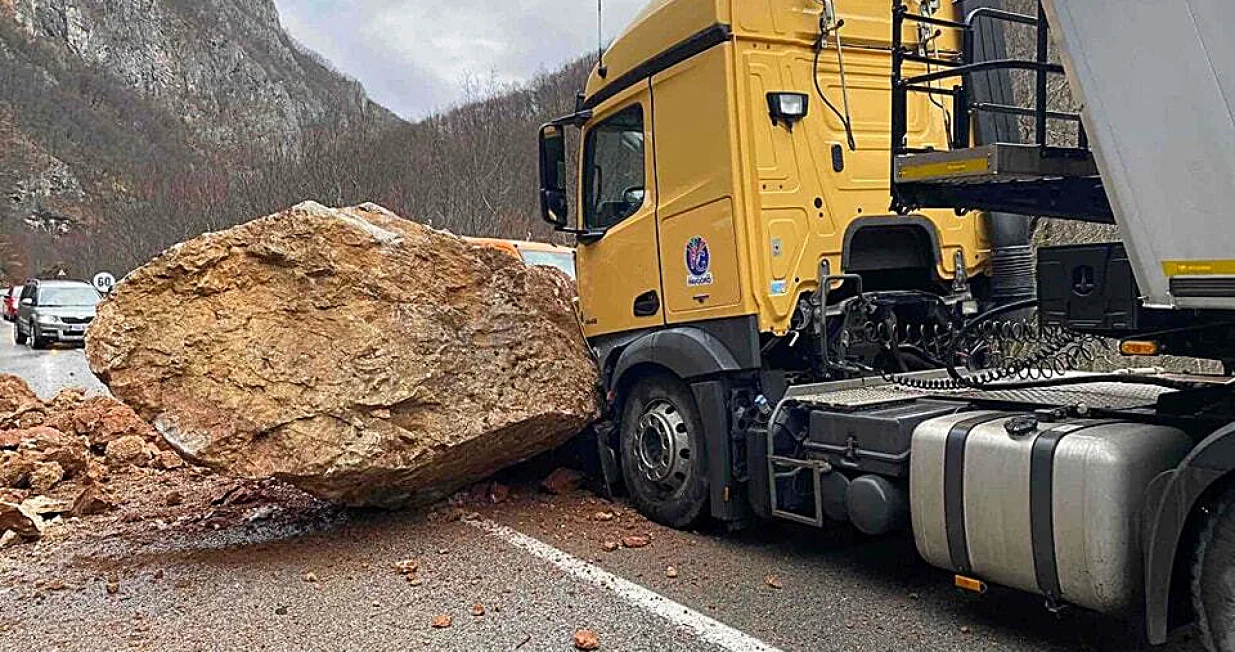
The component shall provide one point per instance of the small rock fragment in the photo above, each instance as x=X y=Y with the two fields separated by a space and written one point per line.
x=585 y=639
x=173 y=498
x=636 y=541
x=671 y=572
x=603 y=517
x=45 y=476
x=442 y=621
x=24 y=522
x=280 y=610
x=168 y=461
x=43 y=506
x=92 y=500
x=774 y=582
x=966 y=630
x=498 y=493
x=478 y=610
x=562 y=481
x=609 y=546
x=15 y=470
x=129 y=450
x=310 y=577
x=407 y=566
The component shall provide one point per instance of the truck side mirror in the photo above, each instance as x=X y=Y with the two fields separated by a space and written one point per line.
x=554 y=201
x=27 y=301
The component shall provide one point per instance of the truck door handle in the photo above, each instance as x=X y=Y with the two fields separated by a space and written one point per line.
x=647 y=304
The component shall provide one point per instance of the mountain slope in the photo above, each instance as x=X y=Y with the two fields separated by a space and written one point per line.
x=105 y=105
x=129 y=125
x=225 y=68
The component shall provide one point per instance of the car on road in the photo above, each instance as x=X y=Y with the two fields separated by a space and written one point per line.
x=55 y=311
x=8 y=303
x=533 y=253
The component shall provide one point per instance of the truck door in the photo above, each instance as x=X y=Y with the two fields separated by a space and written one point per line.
x=618 y=266
x=701 y=269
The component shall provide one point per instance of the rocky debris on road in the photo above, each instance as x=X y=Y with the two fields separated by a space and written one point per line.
x=91 y=501
x=73 y=458
x=20 y=520
x=636 y=541
x=407 y=567
x=51 y=453
x=773 y=582
x=362 y=357
x=15 y=395
x=563 y=481
x=442 y=621
x=586 y=639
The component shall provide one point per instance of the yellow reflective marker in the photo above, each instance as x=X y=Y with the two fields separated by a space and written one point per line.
x=970 y=584
x=1139 y=347
x=962 y=167
x=1173 y=268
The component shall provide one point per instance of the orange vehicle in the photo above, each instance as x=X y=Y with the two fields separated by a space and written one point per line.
x=533 y=253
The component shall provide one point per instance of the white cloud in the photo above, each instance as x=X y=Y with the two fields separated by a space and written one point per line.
x=415 y=56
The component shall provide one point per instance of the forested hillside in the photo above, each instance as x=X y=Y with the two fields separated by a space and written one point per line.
x=129 y=125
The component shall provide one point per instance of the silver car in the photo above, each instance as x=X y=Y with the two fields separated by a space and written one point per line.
x=55 y=311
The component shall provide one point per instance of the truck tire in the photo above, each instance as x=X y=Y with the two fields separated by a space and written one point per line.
x=663 y=459
x=1213 y=577
x=18 y=337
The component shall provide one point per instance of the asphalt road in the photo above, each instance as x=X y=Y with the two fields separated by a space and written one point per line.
x=324 y=580
x=48 y=371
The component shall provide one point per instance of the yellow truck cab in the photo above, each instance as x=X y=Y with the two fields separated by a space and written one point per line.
x=734 y=159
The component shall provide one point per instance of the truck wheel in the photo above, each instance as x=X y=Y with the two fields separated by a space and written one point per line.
x=1213 y=577
x=18 y=337
x=663 y=460
x=37 y=342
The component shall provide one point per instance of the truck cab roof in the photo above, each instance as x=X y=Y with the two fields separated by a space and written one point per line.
x=665 y=26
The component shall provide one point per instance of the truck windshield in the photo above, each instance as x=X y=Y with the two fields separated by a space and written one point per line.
x=70 y=297
x=563 y=261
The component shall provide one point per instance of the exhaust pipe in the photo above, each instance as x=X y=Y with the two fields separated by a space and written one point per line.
x=1013 y=266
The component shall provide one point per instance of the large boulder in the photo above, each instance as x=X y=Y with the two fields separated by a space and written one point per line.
x=360 y=356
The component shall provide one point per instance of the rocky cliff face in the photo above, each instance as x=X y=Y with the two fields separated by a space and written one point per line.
x=133 y=110
x=225 y=68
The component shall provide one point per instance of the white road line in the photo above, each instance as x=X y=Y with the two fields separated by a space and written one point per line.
x=705 y=628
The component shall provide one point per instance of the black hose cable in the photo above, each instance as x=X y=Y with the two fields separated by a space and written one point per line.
x=1127 y=379
x=853 y=146
x=995 y=379
x=819 y=47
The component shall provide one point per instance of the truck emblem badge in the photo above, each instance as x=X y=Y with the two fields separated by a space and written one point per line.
x=698 y=263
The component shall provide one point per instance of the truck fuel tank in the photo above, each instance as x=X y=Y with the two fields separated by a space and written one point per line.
x=1051 y=508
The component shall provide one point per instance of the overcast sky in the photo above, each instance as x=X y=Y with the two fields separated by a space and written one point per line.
x=414 y=56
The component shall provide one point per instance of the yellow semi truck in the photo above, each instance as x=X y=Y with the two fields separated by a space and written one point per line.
x=734 y=159
x=807 y=304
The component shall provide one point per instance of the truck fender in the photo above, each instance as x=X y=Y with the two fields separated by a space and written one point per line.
x=689 y=353
x=1171 y=501
x=693 y=355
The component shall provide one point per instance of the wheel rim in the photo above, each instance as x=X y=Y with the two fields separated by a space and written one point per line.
x=662 y=446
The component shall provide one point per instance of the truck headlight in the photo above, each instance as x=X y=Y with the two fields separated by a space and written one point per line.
x=49 y=319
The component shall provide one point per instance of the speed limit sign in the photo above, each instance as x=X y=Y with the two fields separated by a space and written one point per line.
x=104 y=282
